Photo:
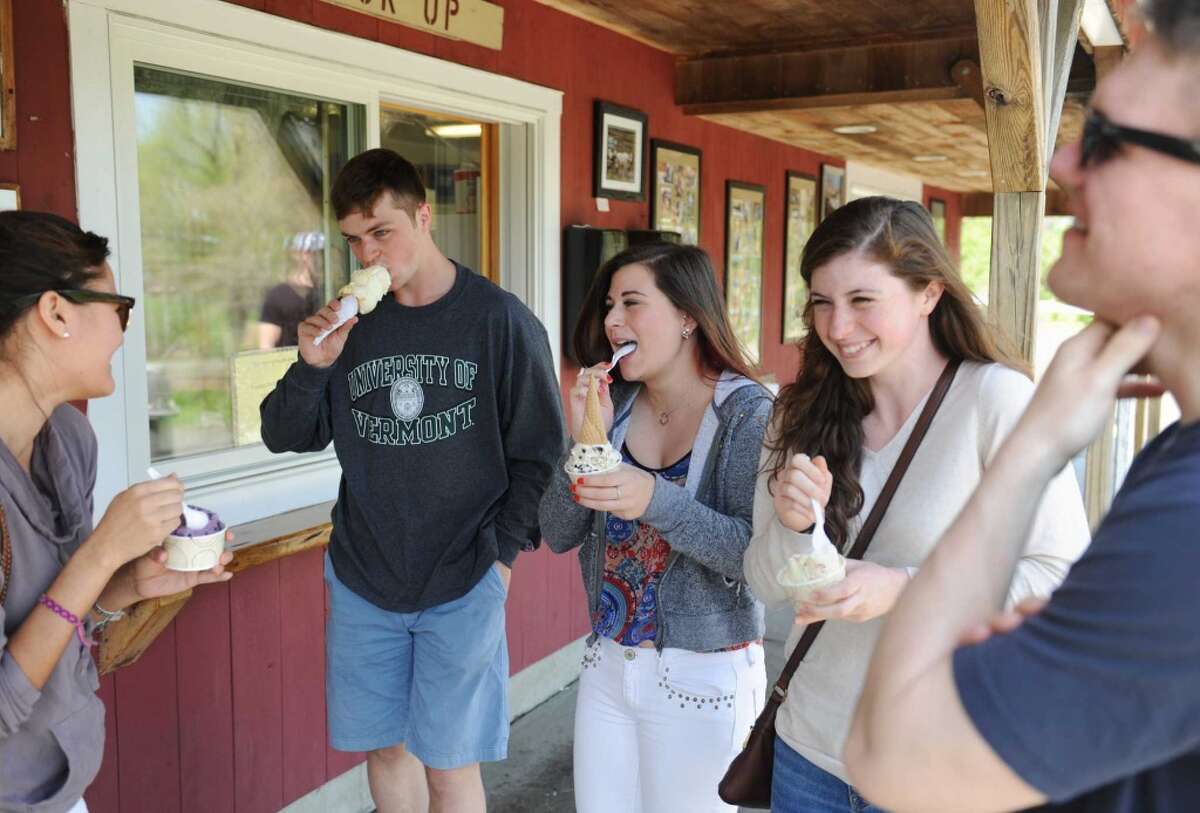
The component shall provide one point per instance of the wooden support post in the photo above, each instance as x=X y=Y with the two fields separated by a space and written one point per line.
x=1016 y=253
x=1058 y=54
x=1010 y=49
x=1010 y=54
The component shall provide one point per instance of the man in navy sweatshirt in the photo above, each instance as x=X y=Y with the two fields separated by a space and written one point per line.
x=444 y=409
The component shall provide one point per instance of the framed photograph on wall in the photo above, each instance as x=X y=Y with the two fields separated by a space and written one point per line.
x=833 y=189
x=745 y=209
x=937 y=211
x=675 y=205
x=800 y=218
x=10 y=197
x=8 y=104
x=620 y=152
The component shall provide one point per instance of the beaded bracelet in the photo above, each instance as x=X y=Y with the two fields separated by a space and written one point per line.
x=68 y=616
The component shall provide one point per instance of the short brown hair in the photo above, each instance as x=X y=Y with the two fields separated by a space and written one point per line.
x=369 y=175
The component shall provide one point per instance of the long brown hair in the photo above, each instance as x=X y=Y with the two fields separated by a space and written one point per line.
x=685 y=275
x=822 y=412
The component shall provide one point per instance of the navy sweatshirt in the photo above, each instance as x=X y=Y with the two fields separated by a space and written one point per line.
x=447 y=423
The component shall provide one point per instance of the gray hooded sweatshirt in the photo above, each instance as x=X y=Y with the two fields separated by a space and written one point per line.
x=52 y=740
x=704 y=603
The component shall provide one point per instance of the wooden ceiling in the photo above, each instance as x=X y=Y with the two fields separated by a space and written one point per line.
x=792 y=70
x=699 y=27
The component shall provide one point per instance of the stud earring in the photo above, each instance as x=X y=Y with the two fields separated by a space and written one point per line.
x=66 y=334
x=687 y=333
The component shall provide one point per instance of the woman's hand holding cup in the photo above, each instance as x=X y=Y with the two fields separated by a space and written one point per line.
x=798 y=483
x=138 y=520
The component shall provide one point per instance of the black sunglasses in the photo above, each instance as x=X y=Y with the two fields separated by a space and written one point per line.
x=1102 y=140
x=84 y=296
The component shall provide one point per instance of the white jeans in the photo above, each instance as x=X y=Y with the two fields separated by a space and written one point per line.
x=654 y=733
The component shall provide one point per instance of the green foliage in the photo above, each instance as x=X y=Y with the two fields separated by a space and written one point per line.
x=976 y=248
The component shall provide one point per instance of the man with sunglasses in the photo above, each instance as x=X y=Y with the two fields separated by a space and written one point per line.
x=1090 y=702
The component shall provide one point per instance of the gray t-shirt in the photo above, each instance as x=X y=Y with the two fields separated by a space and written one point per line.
x=51 y=741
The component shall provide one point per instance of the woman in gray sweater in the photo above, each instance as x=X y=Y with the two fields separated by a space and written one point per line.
x=673 y=672
x=61 y=321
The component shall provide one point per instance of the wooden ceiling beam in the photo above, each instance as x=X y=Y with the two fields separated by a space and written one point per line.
x=876 y=73
x=882 y=73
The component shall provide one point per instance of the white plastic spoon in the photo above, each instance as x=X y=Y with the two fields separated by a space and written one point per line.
x=622 y=351
x=347 y=309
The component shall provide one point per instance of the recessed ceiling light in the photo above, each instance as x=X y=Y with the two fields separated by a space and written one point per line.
x=856 y=129
x=458 y=130
x=928 y=159
x=973 y=173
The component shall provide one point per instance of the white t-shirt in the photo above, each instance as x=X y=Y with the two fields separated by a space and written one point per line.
x=980 y=409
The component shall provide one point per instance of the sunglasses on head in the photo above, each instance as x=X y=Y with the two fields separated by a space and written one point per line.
x=1102 y=140
x=84 y=296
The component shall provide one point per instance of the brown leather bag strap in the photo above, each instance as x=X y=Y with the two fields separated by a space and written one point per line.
x=936 y=396
x=5 y=556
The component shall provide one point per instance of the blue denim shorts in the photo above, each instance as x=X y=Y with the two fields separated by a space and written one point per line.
x=435 y=680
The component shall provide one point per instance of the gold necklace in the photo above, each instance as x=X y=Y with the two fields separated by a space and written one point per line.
x=664 y=416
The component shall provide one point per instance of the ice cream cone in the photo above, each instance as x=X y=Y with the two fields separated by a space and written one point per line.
x=592 y=432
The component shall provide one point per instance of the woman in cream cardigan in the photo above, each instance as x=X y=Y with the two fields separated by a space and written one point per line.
x=886 y=312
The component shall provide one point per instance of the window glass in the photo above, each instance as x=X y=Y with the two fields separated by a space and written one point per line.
x=239 y=245
x=456 y=160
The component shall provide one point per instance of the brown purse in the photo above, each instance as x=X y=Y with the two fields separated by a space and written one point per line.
x=747 y=782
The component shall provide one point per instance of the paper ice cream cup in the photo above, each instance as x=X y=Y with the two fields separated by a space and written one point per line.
x=194 y=552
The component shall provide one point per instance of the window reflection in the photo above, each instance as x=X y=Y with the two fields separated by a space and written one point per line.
x=454 y=157
x=236 y=245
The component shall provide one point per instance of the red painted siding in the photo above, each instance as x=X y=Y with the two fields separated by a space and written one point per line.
x=226 y=711
x=953 y=217
x=44 y=162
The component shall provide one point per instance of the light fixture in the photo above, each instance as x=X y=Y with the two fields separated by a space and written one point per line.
x=856 y=129
x=458 y=130
x=928 y=159
x=973 y=173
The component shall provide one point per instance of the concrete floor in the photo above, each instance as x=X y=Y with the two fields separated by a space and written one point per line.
x=536 y=777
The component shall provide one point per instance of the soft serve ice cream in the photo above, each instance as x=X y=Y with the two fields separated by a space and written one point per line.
x=366 y=288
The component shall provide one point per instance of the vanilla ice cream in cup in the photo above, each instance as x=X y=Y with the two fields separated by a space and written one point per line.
x=822 y=566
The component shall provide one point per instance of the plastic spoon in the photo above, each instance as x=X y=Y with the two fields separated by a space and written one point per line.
x=622 y=351
x=347 y=309
x=819 y=538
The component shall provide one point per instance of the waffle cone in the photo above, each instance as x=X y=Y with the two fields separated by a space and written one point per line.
x=592 y=433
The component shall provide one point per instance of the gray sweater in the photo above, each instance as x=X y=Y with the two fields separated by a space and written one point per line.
x=51 y=740
x=703 y=601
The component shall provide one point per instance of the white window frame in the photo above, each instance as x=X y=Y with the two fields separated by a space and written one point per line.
x=232 y=43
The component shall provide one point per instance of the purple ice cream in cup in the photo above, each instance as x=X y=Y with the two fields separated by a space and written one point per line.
x=196 y=548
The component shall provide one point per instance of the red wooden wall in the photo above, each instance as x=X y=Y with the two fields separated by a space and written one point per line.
x=226 y=711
